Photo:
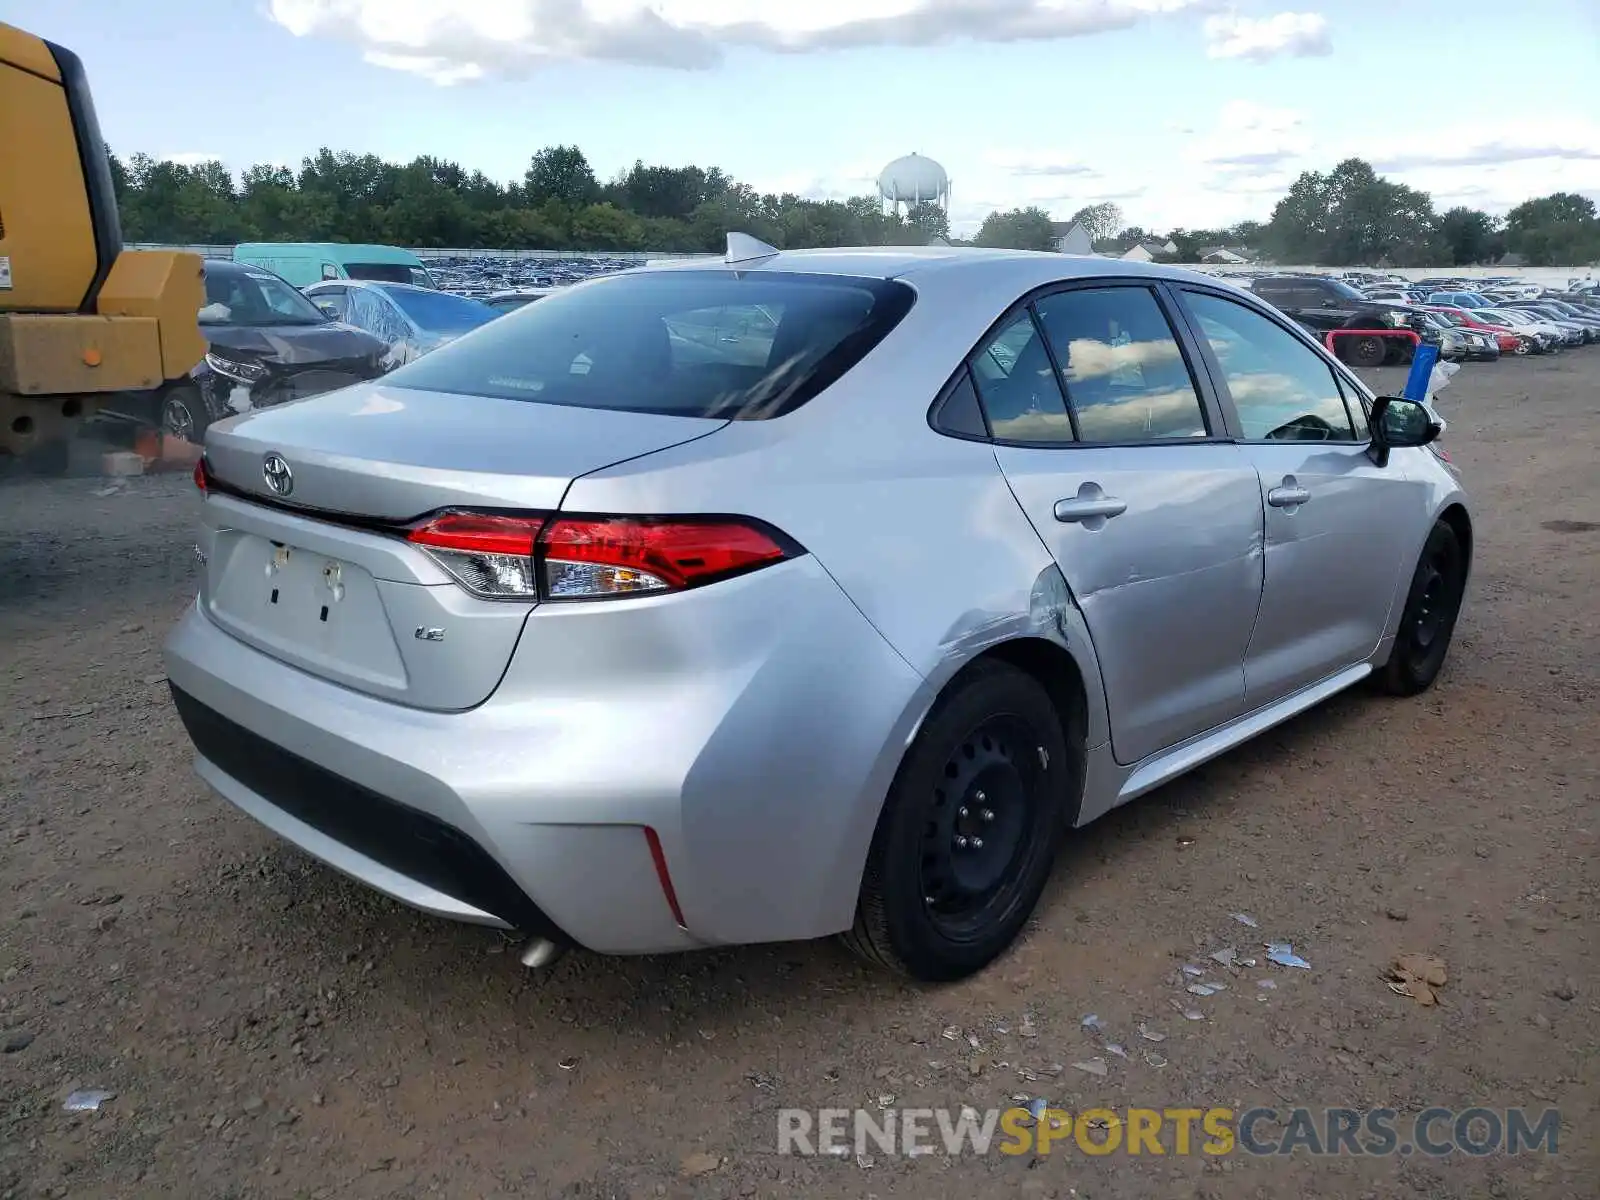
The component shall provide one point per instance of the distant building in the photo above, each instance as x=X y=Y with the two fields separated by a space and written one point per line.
x=1223 y=256
x=1070 y=237
x=1149 y=250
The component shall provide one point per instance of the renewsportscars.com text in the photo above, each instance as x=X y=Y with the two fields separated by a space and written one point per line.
x=1216 y=1131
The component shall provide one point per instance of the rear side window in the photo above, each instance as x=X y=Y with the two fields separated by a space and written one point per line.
x=679 y=343
x=1018 y=386
x=1126 y=377
x=370 y=311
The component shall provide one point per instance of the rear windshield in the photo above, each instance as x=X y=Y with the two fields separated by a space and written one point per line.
x=389 y=273
x=678 y=343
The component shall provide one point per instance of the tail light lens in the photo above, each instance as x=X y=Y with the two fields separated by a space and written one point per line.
x=563 y=558
x=202 y=475
x=620 y=557
x=490 y=556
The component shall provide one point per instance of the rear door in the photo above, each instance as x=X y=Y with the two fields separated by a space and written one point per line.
x=1154 y=518
x=1337 y=526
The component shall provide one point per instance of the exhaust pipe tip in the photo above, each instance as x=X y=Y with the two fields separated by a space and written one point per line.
x=539 y=953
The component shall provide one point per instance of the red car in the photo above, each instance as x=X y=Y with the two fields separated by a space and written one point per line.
x=1511 y=342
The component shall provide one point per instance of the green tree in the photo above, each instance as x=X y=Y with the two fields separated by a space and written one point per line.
x=1100 y=221
x=1555 y=230
x=929 y=220
x=1352 y=217
x=1018 y=229
x=560 y=173
x=1469 y=236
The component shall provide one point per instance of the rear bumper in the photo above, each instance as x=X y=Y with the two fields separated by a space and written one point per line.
x=755 y=726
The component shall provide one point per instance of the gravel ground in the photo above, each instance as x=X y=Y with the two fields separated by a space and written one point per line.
x=270 y=1029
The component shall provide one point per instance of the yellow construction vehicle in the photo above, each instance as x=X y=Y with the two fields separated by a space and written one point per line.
x=80 y=317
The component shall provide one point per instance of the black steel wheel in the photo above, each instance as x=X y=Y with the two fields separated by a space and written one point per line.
x=970 y=828
x=1429 y=619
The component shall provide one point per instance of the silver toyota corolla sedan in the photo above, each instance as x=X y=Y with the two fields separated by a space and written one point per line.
x=799 y=593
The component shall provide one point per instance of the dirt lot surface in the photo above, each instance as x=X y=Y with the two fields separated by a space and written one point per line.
x=271 y=1029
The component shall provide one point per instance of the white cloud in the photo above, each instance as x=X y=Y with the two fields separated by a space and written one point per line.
x=452 y=41
x=1250 y=135
x=1295 y=35
x=1484 y=144
x=1029 y=162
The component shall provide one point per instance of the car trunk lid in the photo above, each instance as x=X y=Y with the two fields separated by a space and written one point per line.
x=316 y=573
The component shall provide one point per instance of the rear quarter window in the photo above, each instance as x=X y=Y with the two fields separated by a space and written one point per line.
x=679 y=343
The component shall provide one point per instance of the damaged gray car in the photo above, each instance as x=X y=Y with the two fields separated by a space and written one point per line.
x=266 y=343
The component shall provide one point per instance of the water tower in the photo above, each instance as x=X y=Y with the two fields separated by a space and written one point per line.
x=914 y=180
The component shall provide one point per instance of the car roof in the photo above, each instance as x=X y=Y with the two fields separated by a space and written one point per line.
x=225 y=266
x=382 y=285
x=1029 y=268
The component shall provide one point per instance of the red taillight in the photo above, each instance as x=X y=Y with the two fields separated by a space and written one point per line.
x=478 y=533
x=561 y=558
x=489 y=555
x=619 y=556
x=202 y=475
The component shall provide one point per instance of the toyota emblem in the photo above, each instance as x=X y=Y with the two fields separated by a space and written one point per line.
x=277 y=474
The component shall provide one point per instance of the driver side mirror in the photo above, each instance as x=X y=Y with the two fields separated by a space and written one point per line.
x=329 y=308
x=1398 y=423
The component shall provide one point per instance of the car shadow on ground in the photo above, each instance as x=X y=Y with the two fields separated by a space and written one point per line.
x=462 y=969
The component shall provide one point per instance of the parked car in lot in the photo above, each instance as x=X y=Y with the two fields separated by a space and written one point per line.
x=1456 y=343
x=1573 y=333
x=266 y=344
x=1550 y=337
x=410 y=320
x=1562 y=314
x=1461 y=299
x=510 y=301
x=1323 y=304
x=800 y=593
x=1513 y=339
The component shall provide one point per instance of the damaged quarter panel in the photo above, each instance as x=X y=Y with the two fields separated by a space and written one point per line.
x=932 y=527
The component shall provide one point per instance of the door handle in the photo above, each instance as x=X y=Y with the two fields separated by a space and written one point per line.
x=1080 y=509
x=1288 y=496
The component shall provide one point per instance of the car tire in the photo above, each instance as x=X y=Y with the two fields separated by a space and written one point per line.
x=1365 y=351
x=185 y=414
x=1429 y=620
x=949 y=885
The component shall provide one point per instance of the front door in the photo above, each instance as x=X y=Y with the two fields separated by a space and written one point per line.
x=1334 y=545
x=1156 y=525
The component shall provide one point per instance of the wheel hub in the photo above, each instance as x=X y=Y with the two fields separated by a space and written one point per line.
x=179 y=420
x=975 y=830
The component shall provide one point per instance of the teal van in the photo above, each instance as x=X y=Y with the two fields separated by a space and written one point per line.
x=305 y=263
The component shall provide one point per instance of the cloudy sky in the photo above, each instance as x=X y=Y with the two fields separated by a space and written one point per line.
x=1184 y=112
